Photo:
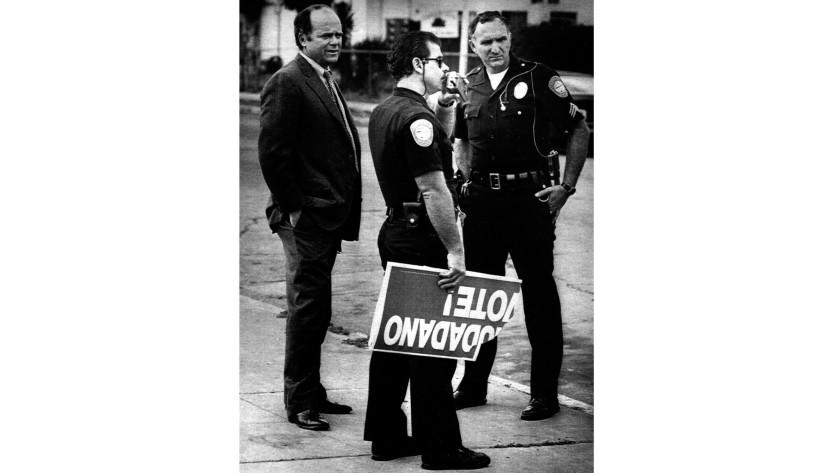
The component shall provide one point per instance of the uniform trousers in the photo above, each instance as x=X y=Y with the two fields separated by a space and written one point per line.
x=502 y=222
x=310 y=255
x=434 y=423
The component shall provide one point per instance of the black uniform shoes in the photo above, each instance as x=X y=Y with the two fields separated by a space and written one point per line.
x=464 y=400
x=540 y=408
x=461 y=458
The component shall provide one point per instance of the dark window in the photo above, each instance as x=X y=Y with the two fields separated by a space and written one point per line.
x=553 y=2
x=539 y=1
x=517 y=20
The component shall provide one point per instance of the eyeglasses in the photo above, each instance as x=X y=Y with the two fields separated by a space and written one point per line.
x=439 y=60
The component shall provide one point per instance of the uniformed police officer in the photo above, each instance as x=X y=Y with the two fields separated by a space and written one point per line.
x=412 y=156
x=506 y=146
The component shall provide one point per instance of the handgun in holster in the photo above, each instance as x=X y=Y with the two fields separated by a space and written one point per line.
x=414 y=213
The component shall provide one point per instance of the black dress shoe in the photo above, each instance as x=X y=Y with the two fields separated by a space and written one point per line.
x=459 y=459
x=539 y=409
x=384 y=451
x=463 y=400
x=309 y=420
x=327 y=407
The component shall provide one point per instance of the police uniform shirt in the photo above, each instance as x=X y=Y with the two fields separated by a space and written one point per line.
x=406 y=141
x=513 y=128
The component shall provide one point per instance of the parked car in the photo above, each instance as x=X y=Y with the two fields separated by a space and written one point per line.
x=582 y=88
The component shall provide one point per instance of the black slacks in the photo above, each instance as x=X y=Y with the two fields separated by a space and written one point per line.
x=499 y=223
x=433 y=419
x=310 y=256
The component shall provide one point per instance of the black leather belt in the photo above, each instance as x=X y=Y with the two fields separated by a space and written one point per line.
x=499 y=181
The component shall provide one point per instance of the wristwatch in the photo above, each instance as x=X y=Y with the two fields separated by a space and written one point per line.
x=570 y=191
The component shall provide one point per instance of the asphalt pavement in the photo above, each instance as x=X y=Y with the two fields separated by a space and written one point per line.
x=268 y=442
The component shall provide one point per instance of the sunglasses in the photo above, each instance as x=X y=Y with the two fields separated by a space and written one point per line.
x=439 y=60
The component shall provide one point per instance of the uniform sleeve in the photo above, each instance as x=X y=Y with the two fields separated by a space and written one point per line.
x=460 y=130
x=421 y=152
x=559 y=102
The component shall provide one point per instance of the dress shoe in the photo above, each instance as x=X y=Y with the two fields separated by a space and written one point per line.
x=461 y=458
x=463 y=400
x=327 y=407
x=309 y=420
x=384 y=451
x=540 y=408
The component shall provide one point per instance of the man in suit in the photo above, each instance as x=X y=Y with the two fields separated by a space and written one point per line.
x=309 y=155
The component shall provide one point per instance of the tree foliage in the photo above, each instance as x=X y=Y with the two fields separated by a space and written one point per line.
x=567 y=47
x=345 y=15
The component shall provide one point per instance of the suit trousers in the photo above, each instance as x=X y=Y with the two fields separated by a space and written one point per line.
x=434 y=423
x=310 y=256
x=514 y=222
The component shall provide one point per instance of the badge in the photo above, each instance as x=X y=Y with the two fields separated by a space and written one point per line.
x=422 y=132
x=556 y=86
x=520 y=90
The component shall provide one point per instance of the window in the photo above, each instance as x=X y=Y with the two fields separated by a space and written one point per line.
x=517 y=20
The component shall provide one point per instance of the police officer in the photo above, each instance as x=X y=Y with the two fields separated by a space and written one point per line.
x=412 y=156
x=507 y=135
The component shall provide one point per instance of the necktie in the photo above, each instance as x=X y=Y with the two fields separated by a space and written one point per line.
x=337 y=101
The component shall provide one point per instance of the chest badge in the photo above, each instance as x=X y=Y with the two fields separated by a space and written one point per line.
x=520 y=90
x=422 y=132
x=556 y=86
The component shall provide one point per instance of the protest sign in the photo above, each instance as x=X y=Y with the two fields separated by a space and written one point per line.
x=413 y=315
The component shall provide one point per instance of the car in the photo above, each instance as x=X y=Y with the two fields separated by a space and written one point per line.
x=582 y=88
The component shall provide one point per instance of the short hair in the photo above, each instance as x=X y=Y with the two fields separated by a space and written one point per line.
x=303 y=21
x=486 y=17
x=407 y=47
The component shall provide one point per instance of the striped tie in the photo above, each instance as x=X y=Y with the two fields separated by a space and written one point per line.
x=337 y=101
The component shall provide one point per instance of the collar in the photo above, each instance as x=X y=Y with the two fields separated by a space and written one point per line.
x=409 y=94
x=515 y=66
x=318 y=68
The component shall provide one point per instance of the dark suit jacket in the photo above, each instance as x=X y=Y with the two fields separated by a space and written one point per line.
x=305 y=152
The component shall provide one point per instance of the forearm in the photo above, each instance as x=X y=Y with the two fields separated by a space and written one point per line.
x=446 y=115
x=461 y=154
x=578 y=145
x=438 y=202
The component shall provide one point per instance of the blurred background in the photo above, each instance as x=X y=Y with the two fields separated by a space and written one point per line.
x=558 y=33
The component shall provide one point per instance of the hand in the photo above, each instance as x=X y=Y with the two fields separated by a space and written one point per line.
x=557 y=197
x=450 y=278
x=447 y=98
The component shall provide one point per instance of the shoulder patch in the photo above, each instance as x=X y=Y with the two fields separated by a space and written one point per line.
x=556 y=86
x=474 y=70
x=422 y=132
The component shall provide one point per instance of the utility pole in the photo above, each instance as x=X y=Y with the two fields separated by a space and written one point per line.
x=465 y=24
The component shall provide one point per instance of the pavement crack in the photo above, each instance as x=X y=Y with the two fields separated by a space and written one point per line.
x=549 y=443
x=580 y=289
x=251 y=222
x=281 y=460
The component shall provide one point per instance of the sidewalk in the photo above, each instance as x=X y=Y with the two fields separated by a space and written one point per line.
x=269 y=443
